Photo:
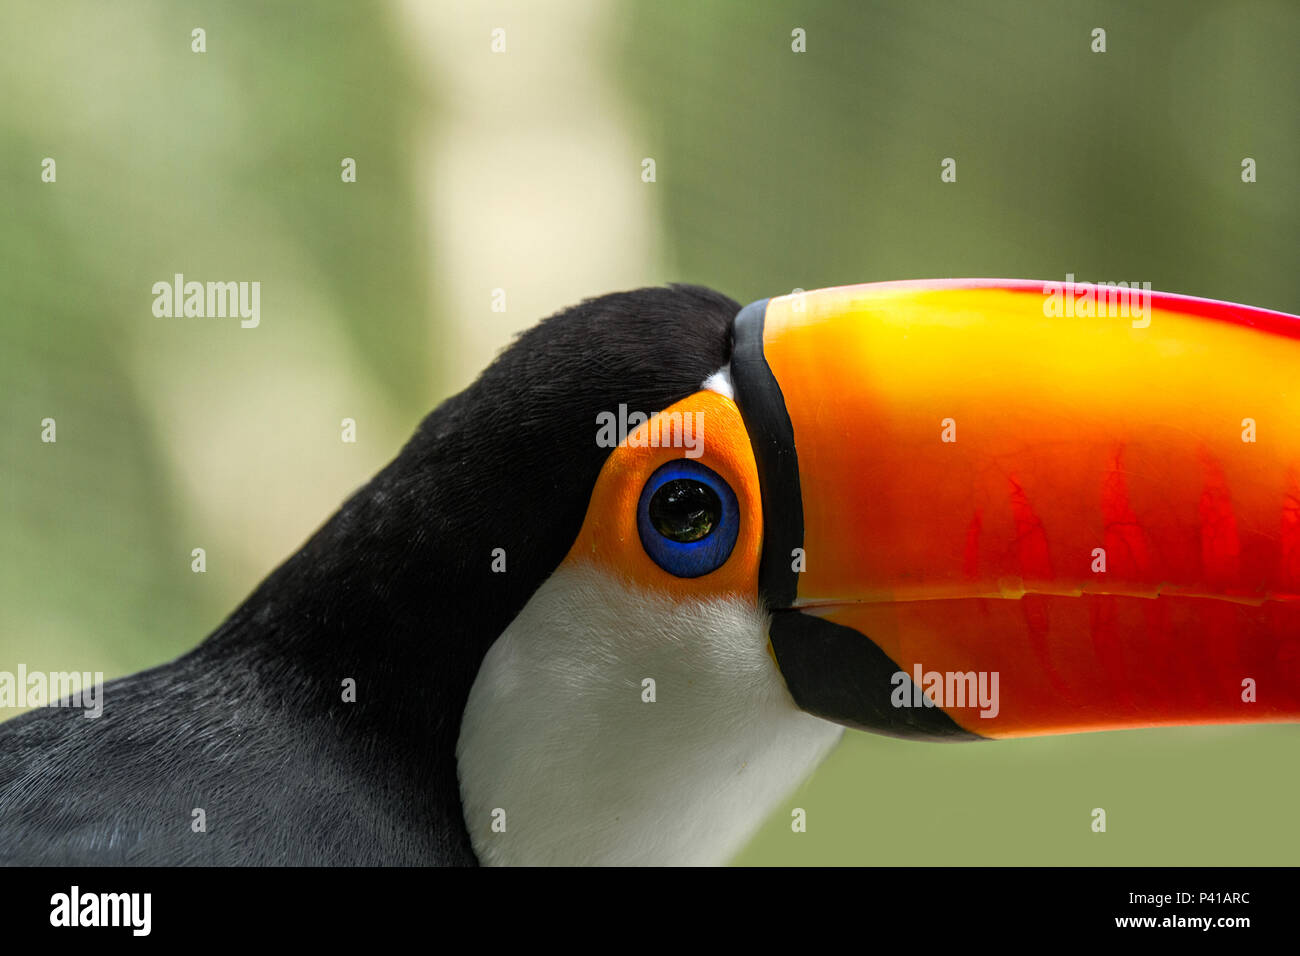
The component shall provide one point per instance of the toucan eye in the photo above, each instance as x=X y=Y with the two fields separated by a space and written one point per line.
x=685 y=510
x=688 y=518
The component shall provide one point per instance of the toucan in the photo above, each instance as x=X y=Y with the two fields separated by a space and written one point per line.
x=949 y=510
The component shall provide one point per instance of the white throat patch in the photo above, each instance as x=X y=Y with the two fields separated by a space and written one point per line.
x=558 y=744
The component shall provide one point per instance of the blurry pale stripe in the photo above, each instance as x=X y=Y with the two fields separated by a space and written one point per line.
x=254 y=443
x=178 y=433
x=532 y=169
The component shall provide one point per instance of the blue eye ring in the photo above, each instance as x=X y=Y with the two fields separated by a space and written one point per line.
x=684 y=484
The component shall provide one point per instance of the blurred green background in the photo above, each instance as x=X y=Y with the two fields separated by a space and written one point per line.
x=522 y=171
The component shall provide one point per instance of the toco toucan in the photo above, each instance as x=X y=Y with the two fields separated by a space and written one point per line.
x=617 y=598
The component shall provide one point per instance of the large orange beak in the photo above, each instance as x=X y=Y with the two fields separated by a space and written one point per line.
x=997 y=509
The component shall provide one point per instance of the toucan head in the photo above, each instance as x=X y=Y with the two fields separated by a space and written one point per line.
x=956 y=510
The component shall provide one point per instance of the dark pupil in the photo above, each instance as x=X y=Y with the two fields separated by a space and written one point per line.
x=685 y=510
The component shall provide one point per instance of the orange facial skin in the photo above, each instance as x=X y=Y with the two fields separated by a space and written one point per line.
x=1113 y=524
x=609 y=535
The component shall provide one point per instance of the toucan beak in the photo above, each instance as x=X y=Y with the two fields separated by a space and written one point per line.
x=998 y=509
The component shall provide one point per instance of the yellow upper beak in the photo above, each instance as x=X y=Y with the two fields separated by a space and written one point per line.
x=982 y=478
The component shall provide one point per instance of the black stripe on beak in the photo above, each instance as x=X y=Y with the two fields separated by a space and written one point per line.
x=831 y=670
x=762 y=406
